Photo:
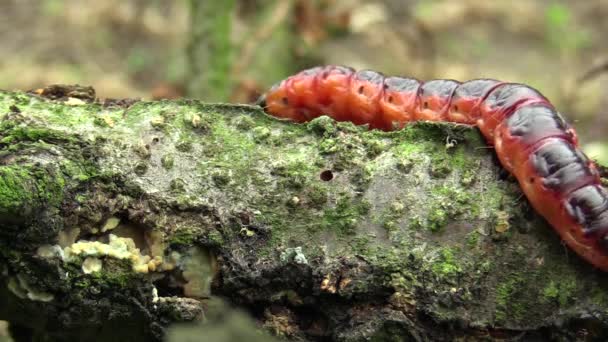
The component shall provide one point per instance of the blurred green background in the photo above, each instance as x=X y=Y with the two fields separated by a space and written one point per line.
x=232 y=50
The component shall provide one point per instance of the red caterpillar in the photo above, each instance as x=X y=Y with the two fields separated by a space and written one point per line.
x=531 y=138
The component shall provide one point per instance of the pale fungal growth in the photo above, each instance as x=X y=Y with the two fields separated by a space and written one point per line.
x=110 y=224
x=155 y=241
x=294 y=254
x=91 y=265
x=171 y=262
x=68 y=236
x=73 y=101
x=154 y=295
x=20 y=287
x=199 y=267
x=118 y=248
x=50 y=251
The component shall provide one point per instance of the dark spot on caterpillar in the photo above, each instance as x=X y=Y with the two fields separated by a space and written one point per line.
x=285 y=101
x=507 y=96
x=603 y=242
x=360 y=90
x=438 y=89
x=535 y=122
x=532 y=180
x=326 y=175
x=588 y=206
x=425 y=105
x=390 y=99
x=561 y=166
x=455 y=108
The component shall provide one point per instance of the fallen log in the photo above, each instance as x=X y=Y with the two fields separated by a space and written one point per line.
x=119 y=218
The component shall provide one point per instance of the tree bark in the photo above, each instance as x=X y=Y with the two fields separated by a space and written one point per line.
x=120 y=218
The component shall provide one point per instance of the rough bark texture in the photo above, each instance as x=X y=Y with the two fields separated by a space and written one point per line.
x=320 y=231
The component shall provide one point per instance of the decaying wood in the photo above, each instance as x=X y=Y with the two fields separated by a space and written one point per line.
x=120 y=218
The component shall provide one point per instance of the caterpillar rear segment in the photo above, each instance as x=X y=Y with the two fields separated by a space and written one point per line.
x=532 y=140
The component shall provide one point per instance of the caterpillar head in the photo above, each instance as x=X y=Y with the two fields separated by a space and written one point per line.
x=276 y=102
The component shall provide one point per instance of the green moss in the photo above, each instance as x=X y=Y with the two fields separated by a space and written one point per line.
x=78 y=171
x=293 y=173
x=184 y=145
x=447 y=265
x=140 y=168
x=345 y=216
x=375 y=143
x=244 y=122
x=220 y=177
x=116 y=273
x=182 y=238
x=13 y=134
x=323 y=125
x=473 y=239
x=440 y=168
x=405 y=165
x=261 y=133
x=230 y=148
x=177 y=185
x=467 y=177
x=14 y=189
x=409 y=149
x=24 y=186
x=316 y=195
x=560 y=291
x=437 y=219
x=167 y=161
x=390 y=216
x=509 y=304
x=350 y=151
x=215 y=238
x=551 y=291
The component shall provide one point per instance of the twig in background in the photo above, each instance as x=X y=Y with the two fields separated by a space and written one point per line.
x=278 y=16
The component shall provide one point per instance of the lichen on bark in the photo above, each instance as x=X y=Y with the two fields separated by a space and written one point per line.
x=322 y=230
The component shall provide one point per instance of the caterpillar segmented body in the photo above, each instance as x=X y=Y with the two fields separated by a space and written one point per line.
x=532 y=140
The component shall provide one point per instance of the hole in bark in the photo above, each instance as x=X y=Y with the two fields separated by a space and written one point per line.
x=327 y=175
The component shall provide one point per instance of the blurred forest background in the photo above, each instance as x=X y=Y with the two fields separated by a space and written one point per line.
x=232 y=50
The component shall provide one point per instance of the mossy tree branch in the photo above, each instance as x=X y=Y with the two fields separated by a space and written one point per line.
x=321 y=230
